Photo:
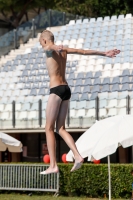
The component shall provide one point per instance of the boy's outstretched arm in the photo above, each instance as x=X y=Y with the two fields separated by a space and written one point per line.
x=110 y=53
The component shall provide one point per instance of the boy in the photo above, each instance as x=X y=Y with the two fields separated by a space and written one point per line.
x=59 y=97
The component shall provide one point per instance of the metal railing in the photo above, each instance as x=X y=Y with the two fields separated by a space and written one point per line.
x=27 y=30
x=27 y=177
x=39 y=121
x=97 y=102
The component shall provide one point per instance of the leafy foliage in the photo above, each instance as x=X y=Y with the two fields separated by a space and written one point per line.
x=92 y=180
x=95 y=8
x=14 y=10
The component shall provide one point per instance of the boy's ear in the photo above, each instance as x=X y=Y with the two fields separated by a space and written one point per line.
x=44 y=41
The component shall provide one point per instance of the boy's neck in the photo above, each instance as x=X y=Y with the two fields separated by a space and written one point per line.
x=49 y=43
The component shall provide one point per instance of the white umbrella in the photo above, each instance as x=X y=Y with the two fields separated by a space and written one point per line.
x=10 y=143
x=103 y=138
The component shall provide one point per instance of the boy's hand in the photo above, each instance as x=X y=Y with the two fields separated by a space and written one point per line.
x=112 y=53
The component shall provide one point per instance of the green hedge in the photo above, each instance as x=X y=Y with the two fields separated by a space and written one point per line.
x=92 y=180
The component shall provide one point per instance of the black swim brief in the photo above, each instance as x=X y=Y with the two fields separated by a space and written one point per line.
x=63 y=91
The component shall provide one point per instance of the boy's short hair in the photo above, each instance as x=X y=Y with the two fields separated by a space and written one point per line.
x=47 y=34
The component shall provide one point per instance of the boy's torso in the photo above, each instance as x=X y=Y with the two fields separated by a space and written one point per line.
x=56 y=66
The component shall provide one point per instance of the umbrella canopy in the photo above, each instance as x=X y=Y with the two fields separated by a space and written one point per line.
x=120 y=134
x=10 y=143
x=103 y=138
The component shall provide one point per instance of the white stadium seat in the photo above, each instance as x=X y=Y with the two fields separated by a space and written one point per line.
x=72 y=113
x=103 y=95
x=91 y=113
x=16 y=93
x=102 y=113
x=98 y=68
x=112 y=112
x=113 y=95
x=72 y=22
x=33 y=115
x=7 y=93
x=80 y=113
x=22 y=115
x=122 y=103
x=8 y=107
x=5 y=115
x=112 y=103
x=2 y=106
x=18 y=106
x=73 y=104
x=122 y=111
x=85 y=21
x=107 y=67
x=81 y=105
x=128 y=16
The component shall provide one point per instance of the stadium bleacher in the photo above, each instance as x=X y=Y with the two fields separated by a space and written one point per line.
x=25 y=80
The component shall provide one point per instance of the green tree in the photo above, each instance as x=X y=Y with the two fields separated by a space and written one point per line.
x=14 y=10
x=95 y=8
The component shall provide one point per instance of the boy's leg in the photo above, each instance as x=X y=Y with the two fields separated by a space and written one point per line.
x=60 y=128
x=52 y=110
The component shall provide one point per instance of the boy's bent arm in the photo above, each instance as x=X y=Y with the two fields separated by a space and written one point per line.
x=110 y=53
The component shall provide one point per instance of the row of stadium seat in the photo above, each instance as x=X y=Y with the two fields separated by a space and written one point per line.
x=97 y=78
x=89 y=34
x=90 y=74
x=119 y=29
x=125 y=57
x=81 y=67
x=98 y=81
x=25 y=96
x=93 y=65
x=79 y=82
x=97 y=42
x=27 y=91
x=99 y=19
x=102 y=104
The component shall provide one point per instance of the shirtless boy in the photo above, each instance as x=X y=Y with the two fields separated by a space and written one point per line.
x=59 y=97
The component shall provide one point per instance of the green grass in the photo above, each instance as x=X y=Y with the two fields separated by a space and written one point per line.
x=35 y=197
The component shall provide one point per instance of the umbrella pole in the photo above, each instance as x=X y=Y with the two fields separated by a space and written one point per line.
x=109 y=177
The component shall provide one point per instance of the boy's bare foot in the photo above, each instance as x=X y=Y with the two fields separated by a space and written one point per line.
x=78 y=163
x=50 y=170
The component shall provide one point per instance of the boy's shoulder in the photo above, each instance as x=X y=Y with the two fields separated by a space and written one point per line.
x=49 y=53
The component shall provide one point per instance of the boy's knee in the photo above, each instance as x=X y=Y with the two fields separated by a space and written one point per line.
x=49 y=128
